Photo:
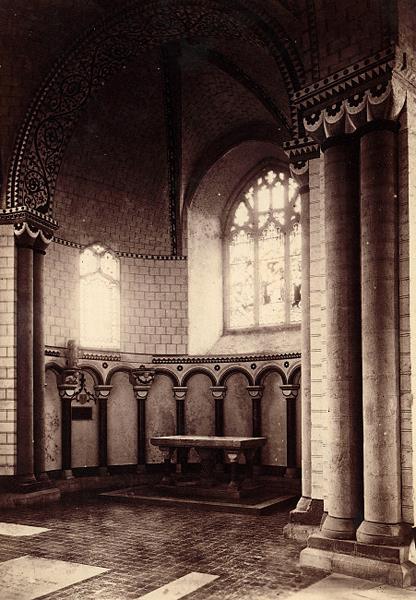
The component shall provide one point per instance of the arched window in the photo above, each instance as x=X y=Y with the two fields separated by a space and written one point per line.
x=263 y=254
x=100 y=298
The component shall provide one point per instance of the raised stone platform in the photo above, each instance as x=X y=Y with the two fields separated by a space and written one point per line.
x=252 y=506
x=273 y=493
x=14 y=499
x=386 y=564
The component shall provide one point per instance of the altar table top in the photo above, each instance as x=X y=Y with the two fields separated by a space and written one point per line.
x=208 y=441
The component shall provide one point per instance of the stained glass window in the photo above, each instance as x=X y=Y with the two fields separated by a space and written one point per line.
x=99 y=298
x=263 y=245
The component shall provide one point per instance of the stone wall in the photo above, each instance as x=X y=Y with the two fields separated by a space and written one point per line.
x=153 y=302
x=61 y=294
x=7 y=351
x=154 y=306
x=161 y=410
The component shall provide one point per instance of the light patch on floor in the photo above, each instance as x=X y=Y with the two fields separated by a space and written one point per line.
x=180 y=587
x=15 y=530
x=30 y=577
x=344 y=587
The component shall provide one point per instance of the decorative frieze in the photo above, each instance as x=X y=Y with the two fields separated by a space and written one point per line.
x=100 y=357
x=345 y=101
x=34 y=219
x=186 y=360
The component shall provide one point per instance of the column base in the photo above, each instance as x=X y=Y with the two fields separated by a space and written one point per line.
x=304 y=520
x=44 y=481
x=67 y=474
x=385 y=564
x=292 y=473
x=339 y=529
x=44 y=477
x=28 y=485
x=103 y=472
x=384 y=534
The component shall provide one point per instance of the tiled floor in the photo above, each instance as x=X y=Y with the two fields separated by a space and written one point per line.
x=145 y=548
x=120 y=552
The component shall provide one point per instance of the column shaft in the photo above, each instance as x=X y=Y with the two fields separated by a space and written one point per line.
x=343 y=323
x=66 y=438
x=102 y=435
x=181 y=453
x=291 y=435
x=25 y=448
x=39 y=364
x=380 y=338
x=219 y=416
x=306 y=424
x=141 y=431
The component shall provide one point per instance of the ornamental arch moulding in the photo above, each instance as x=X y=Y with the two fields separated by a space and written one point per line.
x=104 y=50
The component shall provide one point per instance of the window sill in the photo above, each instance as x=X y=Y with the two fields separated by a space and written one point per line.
x=263 y=329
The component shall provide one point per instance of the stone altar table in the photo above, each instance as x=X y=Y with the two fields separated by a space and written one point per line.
x=207 y=447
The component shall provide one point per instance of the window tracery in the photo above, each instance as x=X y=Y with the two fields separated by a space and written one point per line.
x=99 y=298
x=263 y=254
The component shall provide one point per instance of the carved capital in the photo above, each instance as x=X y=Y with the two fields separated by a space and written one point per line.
x=218 y=392
x=255 y=391
x=300 y=152
x=141 y=391
x=19 y=215
x=179 y=392
x=102 y=392
x=290 y=390
x=347 y=100
x=68 y=387
x=143 y=376
x=28 y=235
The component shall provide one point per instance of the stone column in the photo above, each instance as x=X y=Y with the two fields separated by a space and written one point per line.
x=306 y=423
x=180 y=397
x=380 y=337
x=25 y=467
x=141 y=392
x=102 y=393
x=142 y=380
x=256 y=394
x=40 y=247
x=290 y=392
x=343 y=323
x=67 y=390
x=218 y=393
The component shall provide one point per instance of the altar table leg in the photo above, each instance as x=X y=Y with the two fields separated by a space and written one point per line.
x=249 y=476
x=207 y=458
x=233 y=460
x=167 y=478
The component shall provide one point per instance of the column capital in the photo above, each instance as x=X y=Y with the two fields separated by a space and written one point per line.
x=179 y=392
x=218 y=391
x=255 y=391
x=290 y=390
x=300 y=151
x=28 y=235
x=68 y=387
x=23 y=214
x=341 y=103
x=141 y=391
x=143 y=376
x=102 y=392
